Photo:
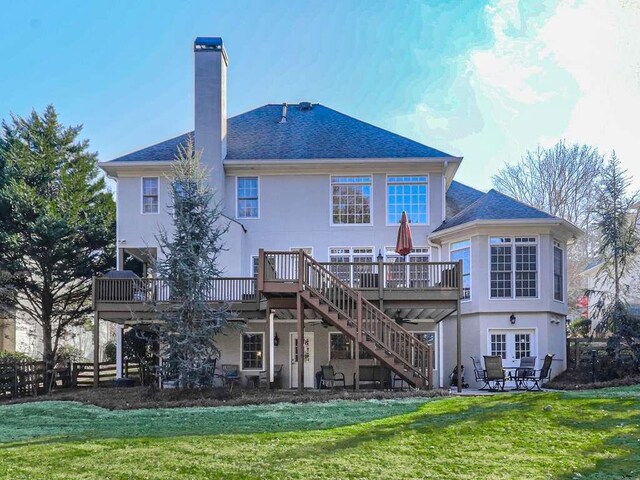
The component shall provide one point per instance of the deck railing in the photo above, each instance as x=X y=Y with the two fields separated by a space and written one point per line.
x=146 y=290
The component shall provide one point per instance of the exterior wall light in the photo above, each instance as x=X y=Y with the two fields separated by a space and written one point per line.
x=512 y=319
x=276 y=340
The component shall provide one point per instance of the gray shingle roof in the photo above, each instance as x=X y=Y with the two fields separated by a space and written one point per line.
x=494 y=205
x=459 y=197
x=319 y=132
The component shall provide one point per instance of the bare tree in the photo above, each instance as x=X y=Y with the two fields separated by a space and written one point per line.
x=562 y=180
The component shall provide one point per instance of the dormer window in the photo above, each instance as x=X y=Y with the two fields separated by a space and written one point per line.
x=150 y=197
x=248 y=197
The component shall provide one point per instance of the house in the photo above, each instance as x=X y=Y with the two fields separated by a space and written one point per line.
x=306 y=188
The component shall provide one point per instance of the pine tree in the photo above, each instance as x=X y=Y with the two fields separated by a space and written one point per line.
x=57 y=222
x=616 y=214
x=188 y=328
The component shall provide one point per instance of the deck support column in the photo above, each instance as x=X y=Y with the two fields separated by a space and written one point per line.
x=96 y=350
x=459 y=326
x=119 y=350
x=356 y=375
x=268 y=346
x=300 y=315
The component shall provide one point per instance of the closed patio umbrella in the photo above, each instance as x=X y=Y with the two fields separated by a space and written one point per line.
x=404 y=243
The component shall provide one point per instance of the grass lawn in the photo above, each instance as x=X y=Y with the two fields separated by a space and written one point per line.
x=589 y=434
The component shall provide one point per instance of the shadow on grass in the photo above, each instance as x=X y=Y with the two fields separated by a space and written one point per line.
x=65 y=422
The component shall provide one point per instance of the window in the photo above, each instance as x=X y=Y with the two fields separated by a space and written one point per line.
x=408 y=194
x=558 y=273
x=357 y=265
x=430 y=339
x=462 y=251
x=247 y=197
x=252 y=349
x=150 y=195
x=522 y=345
x=339 y=346
x=254 y=266
x=499 y=345
x=351 y=200
x=514 y=273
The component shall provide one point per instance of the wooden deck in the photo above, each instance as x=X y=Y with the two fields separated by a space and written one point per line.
x=418 y=289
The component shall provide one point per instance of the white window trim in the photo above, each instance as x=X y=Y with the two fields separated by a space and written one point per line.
x=342 y=225
x=564 y=272
x=388 y=255
x=386 y=199
x=142 y=179
x=242 y=369
x=237 y=199
x=513 y=268
x=451 y=250
x=344 y=247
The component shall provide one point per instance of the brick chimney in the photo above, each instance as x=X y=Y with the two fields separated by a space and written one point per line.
x=210 y=113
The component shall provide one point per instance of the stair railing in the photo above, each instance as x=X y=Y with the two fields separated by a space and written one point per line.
x=376 y=325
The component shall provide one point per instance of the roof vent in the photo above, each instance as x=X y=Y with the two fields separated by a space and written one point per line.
x=306 y=105
x=284 y=113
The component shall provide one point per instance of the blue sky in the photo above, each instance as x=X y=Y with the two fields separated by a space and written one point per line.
x=486 y=80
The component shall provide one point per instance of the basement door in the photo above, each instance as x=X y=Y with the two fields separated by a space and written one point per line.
x=512 y=345
x=309 y=374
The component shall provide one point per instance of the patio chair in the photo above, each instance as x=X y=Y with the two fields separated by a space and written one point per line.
x=525 y=369
x=539 y=376
x=494 y=372
x=231 y=375
x=479 y=372
x=330 y=377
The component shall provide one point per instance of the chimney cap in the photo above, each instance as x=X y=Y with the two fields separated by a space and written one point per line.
x=213 y=43
x=208 y=44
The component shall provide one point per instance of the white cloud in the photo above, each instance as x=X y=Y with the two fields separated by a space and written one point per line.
x=572 y=69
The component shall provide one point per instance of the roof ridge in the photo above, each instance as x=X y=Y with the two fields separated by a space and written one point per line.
x=521 y=202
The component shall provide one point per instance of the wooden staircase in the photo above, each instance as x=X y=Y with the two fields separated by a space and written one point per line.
x=344 y=308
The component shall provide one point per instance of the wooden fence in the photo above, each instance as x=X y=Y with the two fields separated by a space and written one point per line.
x=27 y=378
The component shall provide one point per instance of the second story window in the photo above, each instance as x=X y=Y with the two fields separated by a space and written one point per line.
x=247 y=193
x=350 y=200
x=150 y=197
x=558 y=272
x=514 y=267
x=462 y=251
x=408 y=194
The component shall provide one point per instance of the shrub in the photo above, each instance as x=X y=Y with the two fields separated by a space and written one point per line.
x=13 y=356
x=110 y=352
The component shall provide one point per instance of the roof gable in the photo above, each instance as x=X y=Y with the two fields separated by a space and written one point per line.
x=459 y=197
x=308 y=133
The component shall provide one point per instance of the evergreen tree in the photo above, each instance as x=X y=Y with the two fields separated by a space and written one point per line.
x=616 y=212
x=188 y=328
x=57 y=222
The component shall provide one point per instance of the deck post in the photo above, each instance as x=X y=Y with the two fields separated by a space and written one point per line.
x=356 y=376
x=268 y=346
x=381 y=280
x=119 y=351
x=96 y=350
x=300 y=315
x=459 y=326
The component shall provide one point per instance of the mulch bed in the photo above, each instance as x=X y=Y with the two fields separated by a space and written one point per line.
x=143 y=397
x=579 y=380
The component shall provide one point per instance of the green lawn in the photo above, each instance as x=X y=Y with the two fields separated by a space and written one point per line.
x=594 y=434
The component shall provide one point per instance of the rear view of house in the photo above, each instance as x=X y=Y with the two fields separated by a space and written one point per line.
x=313 y=198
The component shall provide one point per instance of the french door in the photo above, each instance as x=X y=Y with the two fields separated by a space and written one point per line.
x=512 y=345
